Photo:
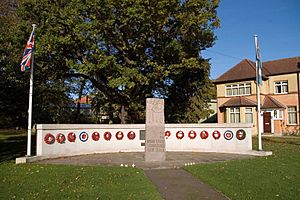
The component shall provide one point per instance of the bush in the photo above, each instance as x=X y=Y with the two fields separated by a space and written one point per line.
x=292 y=131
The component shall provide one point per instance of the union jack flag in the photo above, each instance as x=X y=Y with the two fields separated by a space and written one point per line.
x=26 y=59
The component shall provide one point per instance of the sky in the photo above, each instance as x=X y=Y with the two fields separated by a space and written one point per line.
x=276 y=22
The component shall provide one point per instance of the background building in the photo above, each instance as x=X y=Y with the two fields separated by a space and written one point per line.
x=280 y=96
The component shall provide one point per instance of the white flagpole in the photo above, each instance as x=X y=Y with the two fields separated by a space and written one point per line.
x=259 y=119
x=30 y=100
x=258 y=97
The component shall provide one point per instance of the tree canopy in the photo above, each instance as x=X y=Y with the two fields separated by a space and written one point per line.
x=129 y=50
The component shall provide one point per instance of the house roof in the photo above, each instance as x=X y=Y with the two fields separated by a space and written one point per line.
x=282 y=66
x=269 y=102
x=246 y=70
x=239 y=102
x=84 y=100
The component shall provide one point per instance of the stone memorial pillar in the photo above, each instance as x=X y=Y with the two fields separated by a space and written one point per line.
x=155 y=146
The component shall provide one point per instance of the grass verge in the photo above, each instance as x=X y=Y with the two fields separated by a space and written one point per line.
x=41 y=181
x=273 y=177
x=36 y=181
x=13 y=144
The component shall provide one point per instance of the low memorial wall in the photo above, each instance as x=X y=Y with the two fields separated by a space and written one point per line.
x=56 y=140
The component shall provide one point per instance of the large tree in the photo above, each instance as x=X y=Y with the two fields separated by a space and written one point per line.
x=12 y=110
x=50 y=90
x=129 y=50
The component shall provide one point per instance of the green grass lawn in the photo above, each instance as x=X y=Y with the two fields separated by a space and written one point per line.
x=273 y=177
x=13 y=144
x=40 y=181
x=36 y=181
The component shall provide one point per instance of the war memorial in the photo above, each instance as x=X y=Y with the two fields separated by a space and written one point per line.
x=154 y=138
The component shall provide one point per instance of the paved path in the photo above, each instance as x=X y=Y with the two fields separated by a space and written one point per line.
x=173 y=159
x=171 y=181
x=177 y=184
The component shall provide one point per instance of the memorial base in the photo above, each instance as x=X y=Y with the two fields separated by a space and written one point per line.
x=155 y=156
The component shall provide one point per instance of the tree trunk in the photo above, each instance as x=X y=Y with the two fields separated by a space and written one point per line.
x=79 y=98
x=123 y=115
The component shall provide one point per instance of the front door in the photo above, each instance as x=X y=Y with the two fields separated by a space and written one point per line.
x=267 y=122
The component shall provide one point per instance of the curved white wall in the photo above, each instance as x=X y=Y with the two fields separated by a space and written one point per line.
x=210 y=144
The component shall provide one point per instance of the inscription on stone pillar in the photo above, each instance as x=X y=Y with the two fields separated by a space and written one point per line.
x=155 y=147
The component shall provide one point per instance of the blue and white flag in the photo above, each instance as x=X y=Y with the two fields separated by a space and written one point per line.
x=258 y=64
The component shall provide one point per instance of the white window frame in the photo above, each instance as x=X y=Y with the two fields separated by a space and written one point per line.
x=278 y=114
x=249 y=112
x=292 y=112
x=281 y=84
x=238 y=87
x=235 y=111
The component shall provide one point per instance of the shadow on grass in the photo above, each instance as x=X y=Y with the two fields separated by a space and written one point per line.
x=15 y=146
x=285 y=139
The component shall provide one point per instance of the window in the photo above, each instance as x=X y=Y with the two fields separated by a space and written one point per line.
x=249 y=115
x=281 y=87
x=234 y=115
x=277 y=114
x=238 y=89
x=292 y=115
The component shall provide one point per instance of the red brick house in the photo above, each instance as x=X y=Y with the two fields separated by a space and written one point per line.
x=280 y=95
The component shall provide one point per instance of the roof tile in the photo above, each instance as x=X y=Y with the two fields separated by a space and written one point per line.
x=246 y=70
x=269 y=102
x=239 y=102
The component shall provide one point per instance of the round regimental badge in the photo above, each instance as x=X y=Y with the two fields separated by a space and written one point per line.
x=83 y=136
x=192 y=134
x=60 y=138
x=228 y=135
x=49 y=138
x=131 y=135
x=71 y=137
x=204 y=135
x=216 y=135
x=180 y=135
x=119 y=135
x=107 y=136
x=95 y=136
x=167 y=134
x=240 y=134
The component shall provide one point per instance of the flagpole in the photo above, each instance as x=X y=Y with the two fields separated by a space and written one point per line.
x=258 y=96
x=30 y=101
x=259 y=119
